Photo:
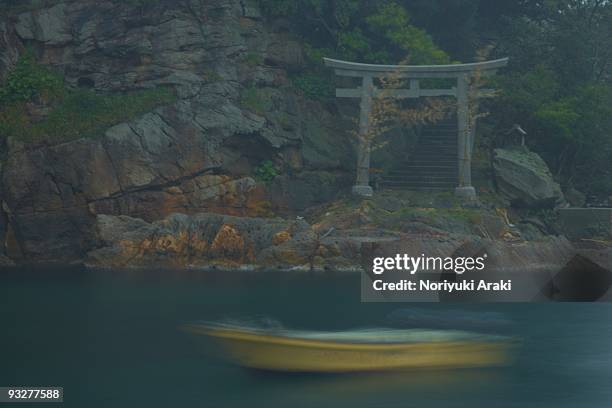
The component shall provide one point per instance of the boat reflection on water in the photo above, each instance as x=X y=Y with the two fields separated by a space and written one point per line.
x=274 y=348
x=388 y=388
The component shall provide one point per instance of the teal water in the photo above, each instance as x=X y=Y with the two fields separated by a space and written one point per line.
x=110 y=338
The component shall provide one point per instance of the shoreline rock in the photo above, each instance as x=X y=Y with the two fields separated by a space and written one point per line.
x=525 y=179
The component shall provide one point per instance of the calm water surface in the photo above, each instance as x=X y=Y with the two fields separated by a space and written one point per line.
x=110 y=338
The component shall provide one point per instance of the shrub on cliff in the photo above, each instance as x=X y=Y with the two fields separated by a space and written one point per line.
x=355 y=30
x=19 y=6
x=266 y=172
x=85 y=113
x=256 y=100
x=29 y=80
x=358 y=30
x=36 y=107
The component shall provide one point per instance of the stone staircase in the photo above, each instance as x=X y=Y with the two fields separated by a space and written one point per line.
x=432 y=166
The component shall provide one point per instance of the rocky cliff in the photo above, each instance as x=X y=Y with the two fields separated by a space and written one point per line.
x=238 y=169
x=235 y=108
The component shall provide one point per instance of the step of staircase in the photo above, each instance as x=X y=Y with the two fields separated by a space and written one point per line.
x=433 y=164
x=429 y=181
x=452 y=173
x=424 y=185
x=443 y=167
x=416 y=188
x=436 y=141
x=434 y=152
x=415 y=182
x=434 y=159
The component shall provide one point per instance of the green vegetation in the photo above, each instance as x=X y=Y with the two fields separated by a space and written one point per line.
x=266 y=171
x=356 y=30
x=392 y=22
x=441 y=218
x=29 y=80
x=20 y=6
x=557 y=87
x=211 y=76
x=405 y=211
x=64 y=114
x=278 y=8
x=253 y=59
x=314 y=85
x=256 y=100
x=82 y=113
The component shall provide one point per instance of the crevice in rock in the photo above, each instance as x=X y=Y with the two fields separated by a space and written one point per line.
x=156 y=187
x=145 y=148
x=12 y=242
x=112 y=163
x=175 y=143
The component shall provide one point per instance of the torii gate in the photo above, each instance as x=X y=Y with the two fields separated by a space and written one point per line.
x=367 y=91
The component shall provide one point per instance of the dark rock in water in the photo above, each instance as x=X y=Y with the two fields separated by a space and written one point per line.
x=581 y=280
x=530 y=266
x=525 y=179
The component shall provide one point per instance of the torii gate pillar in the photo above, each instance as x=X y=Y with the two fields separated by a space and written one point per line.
x=362 y=181
x=464 y=140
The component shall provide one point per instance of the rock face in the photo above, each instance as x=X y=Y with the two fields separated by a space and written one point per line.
x=175 y=186
x=525 y=179
x=236 y=108
x=575 y=198
x=209 y=240
x=202 y=240
x=9 y=52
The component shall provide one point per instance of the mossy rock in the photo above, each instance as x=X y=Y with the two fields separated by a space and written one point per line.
x=525 y=179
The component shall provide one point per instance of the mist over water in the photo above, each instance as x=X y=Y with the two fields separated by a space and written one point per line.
x=111 y=339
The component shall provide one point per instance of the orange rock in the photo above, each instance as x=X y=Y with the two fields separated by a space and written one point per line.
x=281 y=237
x=199 y=246
x=250 y=255
x=130 y=251
x=228 y=243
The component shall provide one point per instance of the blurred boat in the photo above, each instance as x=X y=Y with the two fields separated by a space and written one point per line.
x=362 y=350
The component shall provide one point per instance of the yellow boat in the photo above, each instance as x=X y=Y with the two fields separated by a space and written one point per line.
x=358 y=350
